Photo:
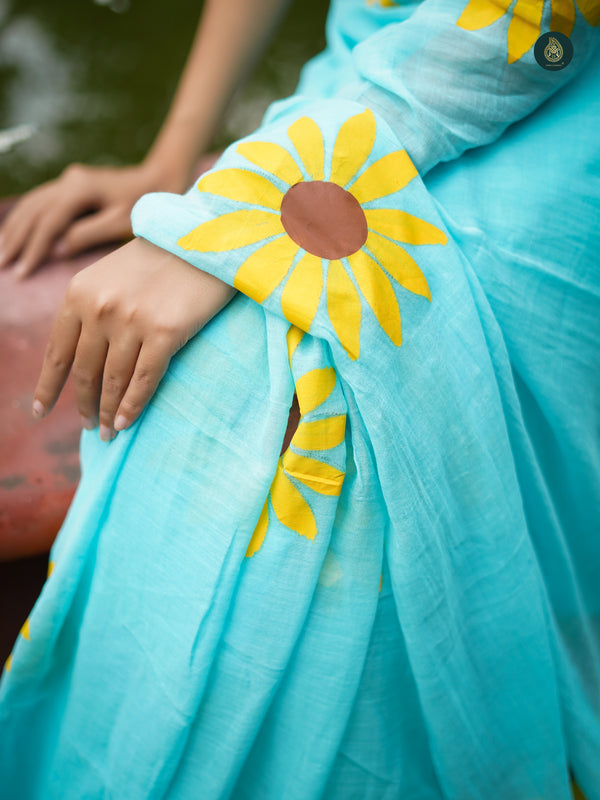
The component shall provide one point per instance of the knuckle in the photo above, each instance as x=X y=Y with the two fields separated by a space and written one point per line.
x=83 y=378
x=74 y=172
x=143 y=381
x=104 y=306
x=74 y=288
x=112 y=385
x=54 y=358
x=131 y=408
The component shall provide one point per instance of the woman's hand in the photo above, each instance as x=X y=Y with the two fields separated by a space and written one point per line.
x=121 y=321
x=48 y=220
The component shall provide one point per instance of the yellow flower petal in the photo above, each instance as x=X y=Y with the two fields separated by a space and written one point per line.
x=290 y=508
x=387 y=175
x=301 y=294
x=25 y=632
x=524 y=28
x=8 y=663
x=317 y=475
x=242 y=185
x=265 y=268
x=314 y=387
x=403 y=227
x=481 y=13
x=563 y=16
x=590 y=10
x=293 y=338
x=353 y=144
x=378 y=293
x=344 y=309
x=230 y=231
x=272 y=158
x=307 y=138
x=321 y=434
x=50 y=568
x=258 y=536
x=402 y=267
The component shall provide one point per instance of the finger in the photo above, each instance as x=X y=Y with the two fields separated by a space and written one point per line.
x=118 y=371
x=87 y=369
x=109 y=225
x=58 y=358
x=49 y=226
x=18 y=225
x=151 y=365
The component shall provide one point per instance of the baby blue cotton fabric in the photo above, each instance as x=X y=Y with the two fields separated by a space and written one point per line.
x=406 y=604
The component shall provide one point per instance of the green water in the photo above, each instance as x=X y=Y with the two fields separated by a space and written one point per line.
x=91 y=80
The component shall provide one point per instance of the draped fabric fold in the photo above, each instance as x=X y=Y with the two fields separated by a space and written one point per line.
x=405 y=603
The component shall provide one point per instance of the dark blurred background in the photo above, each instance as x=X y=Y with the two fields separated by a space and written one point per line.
x=91 y=80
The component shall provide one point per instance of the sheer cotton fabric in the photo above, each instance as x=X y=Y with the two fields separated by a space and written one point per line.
x=404 y=604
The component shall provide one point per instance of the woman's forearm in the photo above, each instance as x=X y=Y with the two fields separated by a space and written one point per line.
x=230 y=35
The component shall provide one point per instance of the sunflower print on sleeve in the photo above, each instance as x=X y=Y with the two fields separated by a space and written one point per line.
x=307 y=469
x=317 y=230
x=526 y=21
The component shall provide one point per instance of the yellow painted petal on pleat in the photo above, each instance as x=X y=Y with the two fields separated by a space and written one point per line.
x=307 y=138
x=242 y=185
x=378 y=293
x=272 y=158
x=258 y=536
x=577 y=793
x=390 y=174
x=591 y=11
x=265 y=268
x=290 y=508
x=402 y=267
x=344 y=309
x=481 y=13
x=353 y=144
x=230 y=231
x=50 y=568
x=403 y=227
x=8 y=663
x=302 y=292
x=317 y=475
x=563 y=16
x=524 y=28
x=25 y=632
x=314 y=387
x=293 y=338
x=320 y=434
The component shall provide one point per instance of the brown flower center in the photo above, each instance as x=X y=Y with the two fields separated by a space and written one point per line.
x=324 y=219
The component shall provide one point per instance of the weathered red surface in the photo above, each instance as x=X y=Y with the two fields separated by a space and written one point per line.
x=39 y=464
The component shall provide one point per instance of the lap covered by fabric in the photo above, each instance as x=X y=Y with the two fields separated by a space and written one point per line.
x=403 y=604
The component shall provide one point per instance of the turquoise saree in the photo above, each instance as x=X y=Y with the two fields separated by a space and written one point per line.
x=405 y=603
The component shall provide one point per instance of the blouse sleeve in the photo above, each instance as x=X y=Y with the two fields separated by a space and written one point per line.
x=321 y=215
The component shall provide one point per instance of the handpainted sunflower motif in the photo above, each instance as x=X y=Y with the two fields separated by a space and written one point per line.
x=323 y=230
x=526 y=23
x=382 y=3
x=315 y=433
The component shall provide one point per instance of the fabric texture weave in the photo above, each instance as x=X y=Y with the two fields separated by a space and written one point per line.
x=406 y=603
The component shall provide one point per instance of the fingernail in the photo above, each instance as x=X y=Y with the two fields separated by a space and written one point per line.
x=87 y=423
x=38 y=409
x=121 y=422
x=106 y=433
x=60 y=250
x=20 y=269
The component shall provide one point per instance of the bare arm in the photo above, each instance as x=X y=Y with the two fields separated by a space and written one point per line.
x=47 y=219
